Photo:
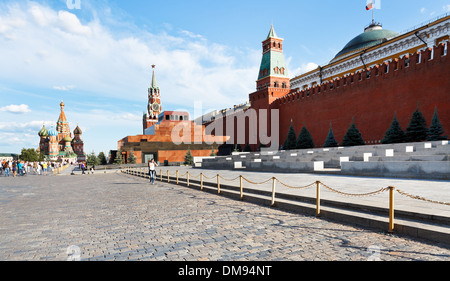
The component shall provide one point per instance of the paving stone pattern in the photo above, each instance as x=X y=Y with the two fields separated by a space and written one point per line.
x=120 y=217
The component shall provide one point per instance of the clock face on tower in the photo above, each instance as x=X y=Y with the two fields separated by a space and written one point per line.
x=155 y=106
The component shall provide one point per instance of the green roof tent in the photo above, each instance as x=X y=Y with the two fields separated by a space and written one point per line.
x=271 y=60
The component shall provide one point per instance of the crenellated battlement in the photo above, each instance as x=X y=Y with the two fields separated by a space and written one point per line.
x=405 y=65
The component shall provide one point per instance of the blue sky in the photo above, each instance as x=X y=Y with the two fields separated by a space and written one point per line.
x=98 y=58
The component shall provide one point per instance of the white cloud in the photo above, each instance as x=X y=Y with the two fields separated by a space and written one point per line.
x=57 y=50
x=23 y=108
x=23 y=127
x=64 y=88
x=130 y=116
x=446 y=8
x=54 y=49
x=304 y=68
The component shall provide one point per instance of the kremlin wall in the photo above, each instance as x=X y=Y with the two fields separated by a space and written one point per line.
x=377 y=78
x=371 y=98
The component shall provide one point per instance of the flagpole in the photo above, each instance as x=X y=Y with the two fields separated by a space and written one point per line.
x=373 y=13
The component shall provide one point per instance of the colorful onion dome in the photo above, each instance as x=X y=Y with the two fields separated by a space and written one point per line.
x=67 y=139
x=43 y=132
x=52 y=132
x=77 y=131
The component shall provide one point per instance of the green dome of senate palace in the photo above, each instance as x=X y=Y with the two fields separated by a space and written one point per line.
x=373 y=35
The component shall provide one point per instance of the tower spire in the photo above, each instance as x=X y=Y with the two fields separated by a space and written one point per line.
x=154 y=85
x=272 y=33
x=154 y=104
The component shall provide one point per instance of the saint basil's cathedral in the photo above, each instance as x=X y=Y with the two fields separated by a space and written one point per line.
x=59 y=143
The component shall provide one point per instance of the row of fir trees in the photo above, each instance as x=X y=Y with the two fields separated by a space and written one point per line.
x=415 y=132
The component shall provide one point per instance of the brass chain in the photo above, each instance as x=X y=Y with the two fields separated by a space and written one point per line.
x=192 y=175
x=228 y=179
x=208 y=178
x=257 y=182
x=295 y=187
x=354 y=194
x=421 y=198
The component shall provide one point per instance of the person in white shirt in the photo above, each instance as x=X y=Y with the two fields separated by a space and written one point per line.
x=151 y=169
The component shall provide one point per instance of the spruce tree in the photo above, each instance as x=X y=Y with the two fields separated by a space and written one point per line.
x=436 y=132
x=92 y=159
x=353 y=136
x=247 y=148
x=304 y=139
x=102 y=158
x=188 y=159
x=118 y=160
x=395 y=133
x=131 y=158
x=291 y=139
x=417 y=128
x=331 y=140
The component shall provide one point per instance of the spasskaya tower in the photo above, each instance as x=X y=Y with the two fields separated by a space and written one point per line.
x=154 y=104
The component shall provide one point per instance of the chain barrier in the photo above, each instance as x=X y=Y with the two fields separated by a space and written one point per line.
x=191 y=175
x=209 y=178
x=127 y=170
x=295 y=187
x=355 y=194
x=257 y=182
x=228 y=179
x=421 y=198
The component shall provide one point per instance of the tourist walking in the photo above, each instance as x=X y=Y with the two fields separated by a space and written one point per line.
x=14 y=168
x=6 y=168
x=20 y=168
x=44 y=167
x=151 y=170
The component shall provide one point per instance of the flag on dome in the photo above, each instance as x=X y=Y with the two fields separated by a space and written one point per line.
x=373 y=4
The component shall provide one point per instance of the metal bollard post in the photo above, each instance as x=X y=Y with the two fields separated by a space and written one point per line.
x=241 y=187
x=177 y=176
x=160 y=175
x=168 y=180
x=391 y=209
x=201 y=181
x=273 y=192
x=187 y=179
x=218 y=184
x=318 y=199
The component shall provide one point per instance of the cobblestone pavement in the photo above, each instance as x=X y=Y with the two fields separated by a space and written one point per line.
x=120 y=217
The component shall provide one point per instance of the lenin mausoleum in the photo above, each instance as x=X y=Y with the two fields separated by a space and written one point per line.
x=377 y=75
x=158 y=142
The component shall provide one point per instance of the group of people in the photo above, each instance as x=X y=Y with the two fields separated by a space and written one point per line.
x=82 y=166
x=22 y=168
